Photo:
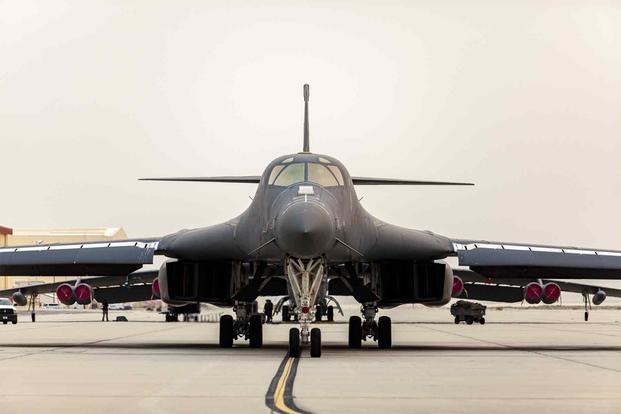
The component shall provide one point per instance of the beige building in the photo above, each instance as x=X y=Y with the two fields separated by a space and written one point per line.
x=20 y=237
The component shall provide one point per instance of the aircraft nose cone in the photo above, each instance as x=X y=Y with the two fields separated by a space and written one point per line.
x=305 y=230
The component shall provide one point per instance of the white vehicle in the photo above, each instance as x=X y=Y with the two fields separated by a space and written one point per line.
x=7 y=311
x=119 y=306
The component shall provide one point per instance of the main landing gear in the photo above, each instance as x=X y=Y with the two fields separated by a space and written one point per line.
x=380 y=330
x=305 y=278
x=248 y=324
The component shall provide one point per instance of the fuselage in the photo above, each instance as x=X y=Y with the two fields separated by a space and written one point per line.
x=306 y=206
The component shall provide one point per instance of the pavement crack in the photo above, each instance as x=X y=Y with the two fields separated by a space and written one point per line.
x=57 y=347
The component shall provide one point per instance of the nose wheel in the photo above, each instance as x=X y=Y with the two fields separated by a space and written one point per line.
x=294 y=343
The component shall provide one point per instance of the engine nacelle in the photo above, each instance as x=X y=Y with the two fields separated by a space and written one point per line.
x=182 y=283
x=458 y=286
x=65 y=294
x=551 y=293
x=19 y=298
x=599 y=297
x=399 y=281
x=533 y=292
x=155 y=288
x=83 y=293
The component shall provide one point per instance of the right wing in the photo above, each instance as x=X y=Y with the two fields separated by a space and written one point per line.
x=104 y=258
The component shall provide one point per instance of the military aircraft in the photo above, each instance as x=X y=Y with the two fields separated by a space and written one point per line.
x=306 y=235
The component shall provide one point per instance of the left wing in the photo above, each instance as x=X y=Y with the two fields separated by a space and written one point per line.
x=520 y=261
x=78 y=259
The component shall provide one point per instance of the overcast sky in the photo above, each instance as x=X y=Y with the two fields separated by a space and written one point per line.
x=523 y=99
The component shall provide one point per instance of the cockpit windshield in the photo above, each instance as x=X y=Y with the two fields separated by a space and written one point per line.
x=286 y=174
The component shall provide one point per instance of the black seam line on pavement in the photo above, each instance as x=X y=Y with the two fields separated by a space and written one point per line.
x=78 y=345
x=529 y=351
x=279 y=395
x=320 y=398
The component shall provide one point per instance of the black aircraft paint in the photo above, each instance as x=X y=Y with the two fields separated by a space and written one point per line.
x=306 y=207
x=305 y=235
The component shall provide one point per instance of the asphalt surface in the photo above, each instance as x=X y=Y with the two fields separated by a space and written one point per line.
x=520 y=361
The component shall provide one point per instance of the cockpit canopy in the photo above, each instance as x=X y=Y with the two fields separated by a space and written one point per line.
x=290 y=171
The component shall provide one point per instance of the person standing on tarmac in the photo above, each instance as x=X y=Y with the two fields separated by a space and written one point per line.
x=267 y=310
x=104 y=308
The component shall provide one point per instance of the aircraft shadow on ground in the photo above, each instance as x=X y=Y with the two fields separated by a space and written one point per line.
x=320 y=324
x=326 y=347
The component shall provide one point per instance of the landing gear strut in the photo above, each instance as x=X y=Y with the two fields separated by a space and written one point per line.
x=305 y=278
x=587 y=306
x=380 y=330
x=248 y=325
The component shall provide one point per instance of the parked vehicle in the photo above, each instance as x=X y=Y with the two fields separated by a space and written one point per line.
x=7 y=311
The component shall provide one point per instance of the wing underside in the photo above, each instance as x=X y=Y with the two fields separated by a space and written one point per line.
x=519 y=261
x=508 y=290
x=134 y=287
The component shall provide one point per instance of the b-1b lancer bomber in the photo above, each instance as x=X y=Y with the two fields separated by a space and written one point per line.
x=305 y=235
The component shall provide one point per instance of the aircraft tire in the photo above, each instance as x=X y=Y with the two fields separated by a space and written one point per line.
x=285 y=313
x=330 y=313
x=294 y=343
x=226 y=331
x=318 y=313
x=315 y=343
x=469 y=320
x=355 y=332
x=384 y=332
x=255 y=331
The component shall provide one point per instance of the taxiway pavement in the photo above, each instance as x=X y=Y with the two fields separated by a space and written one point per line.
x=546 y=360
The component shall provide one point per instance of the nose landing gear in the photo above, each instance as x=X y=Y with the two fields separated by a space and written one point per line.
x=380 y=330
x=305 y=278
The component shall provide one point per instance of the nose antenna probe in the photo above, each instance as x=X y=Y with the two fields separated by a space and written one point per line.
x=306 y=137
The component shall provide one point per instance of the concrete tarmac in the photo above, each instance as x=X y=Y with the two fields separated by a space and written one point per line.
x=520 y=361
